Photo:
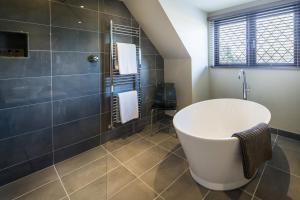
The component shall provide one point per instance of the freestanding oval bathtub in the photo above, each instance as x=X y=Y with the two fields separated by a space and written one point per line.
x=205 y=129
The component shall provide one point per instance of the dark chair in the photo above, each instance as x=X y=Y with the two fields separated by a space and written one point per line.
x=165 y=99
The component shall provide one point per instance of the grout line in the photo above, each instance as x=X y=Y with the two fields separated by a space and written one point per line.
x=75 y=29
x=207 y=193
x=76 y=120
x=62 y=184
x=282 y=170
x=256 y=187
x=36 y=188
x=25 y=133
x=25 y=22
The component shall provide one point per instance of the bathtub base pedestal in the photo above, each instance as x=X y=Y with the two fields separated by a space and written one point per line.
x=220 y=186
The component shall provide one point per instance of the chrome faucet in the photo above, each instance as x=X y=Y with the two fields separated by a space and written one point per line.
x=241 y=74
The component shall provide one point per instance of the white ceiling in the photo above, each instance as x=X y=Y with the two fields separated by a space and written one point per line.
x=215 y=5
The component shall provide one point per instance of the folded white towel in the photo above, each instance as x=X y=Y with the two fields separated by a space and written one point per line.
x=126 y=58
x=128 y=104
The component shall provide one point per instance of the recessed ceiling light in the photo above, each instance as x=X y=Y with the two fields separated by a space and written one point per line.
x=79 y=22
x=81 y=6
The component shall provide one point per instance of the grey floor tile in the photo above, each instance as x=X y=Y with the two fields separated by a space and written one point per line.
x=228 y=195
x=136 y=190
x=156 y=127
x=51 y=191
x=28 y=183
x=185 y=188
x=163 y=174
x=88 y=174
x=115 y=144
x=132 y=149
x=286 y=159
x=146 y=160
x=172 y=144
x=276 y=184
x=118 y=178
x=251 y=186
x=179 y=152
x=96 y=190
x=288 y=143
x=159 y=137
x=273 y=138
x=75 y=162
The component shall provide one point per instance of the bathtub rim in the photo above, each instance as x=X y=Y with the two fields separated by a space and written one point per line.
x=232 y=139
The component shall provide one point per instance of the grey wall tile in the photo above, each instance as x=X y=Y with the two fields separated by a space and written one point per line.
x=148 y=94
x=115 y=7
x=65 y=63
x=76 y=131
x=18 y=171
x=38 y=35
x=105 y=121
x=75 y=86
x=74 y=40
x=148 y=77
x=24 y=119
x=25 y=147
x=72 y=109
x=160 y=76
x=36 y=11
x=64 y=15
x=105 y=102
x=147 y=47
x=37 y=64
x=159 y=62
x=148 y=62
x=104 y=20
x=18 y=92
x=89 y=4
x=76 y=148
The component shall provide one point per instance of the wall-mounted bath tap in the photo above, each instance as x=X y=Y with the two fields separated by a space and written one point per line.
x=242 y=74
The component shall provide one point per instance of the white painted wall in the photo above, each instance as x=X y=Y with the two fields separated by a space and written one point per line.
x=190 y=24
x=278 y=90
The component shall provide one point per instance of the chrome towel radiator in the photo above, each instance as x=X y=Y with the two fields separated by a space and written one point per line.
x=117 y=81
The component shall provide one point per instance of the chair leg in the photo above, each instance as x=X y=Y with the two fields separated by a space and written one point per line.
x=151 y=121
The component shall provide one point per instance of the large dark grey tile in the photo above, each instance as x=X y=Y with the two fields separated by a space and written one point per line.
x=146 y=160
x=39 y=36
x=132 y=149
x=288 y=143
x=159 y=62
x=89 y=4
x=185 y=188
x=286 y=159
x=36 y=11
x=67 y=63
x=105 y=102
x=105 y=122
x=106 y=18
x=75 y=162
x=75 y=149
x=18 y=92
x=25 y=147
x=115 y=7
x=24 y=119
x=25 y=168
x=251 y=186
x=135 y=191
x=74 y=40
x=75 y=86
x=73 y=109
x=276 y=184
x=28 y=183
x=148 y=93
x=73 y=17
x=148 y=77
x=37 y=64
x=51 y=191
x=229 y=195
x=147 y=47
x=165 y=173
x=148 y=62
x=171 y=144
x=76 y=131
x=160 y=76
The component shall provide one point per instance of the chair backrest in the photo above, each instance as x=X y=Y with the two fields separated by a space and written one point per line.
x=165 y=96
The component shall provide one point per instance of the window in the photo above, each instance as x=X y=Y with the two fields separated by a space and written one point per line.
x=268 y=38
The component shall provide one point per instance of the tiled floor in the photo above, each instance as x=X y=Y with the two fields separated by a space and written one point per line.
x=145 y=166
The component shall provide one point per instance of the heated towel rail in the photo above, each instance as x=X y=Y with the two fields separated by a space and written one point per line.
x=118 y=82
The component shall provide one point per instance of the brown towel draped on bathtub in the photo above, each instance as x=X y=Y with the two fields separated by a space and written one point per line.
x=256 y=147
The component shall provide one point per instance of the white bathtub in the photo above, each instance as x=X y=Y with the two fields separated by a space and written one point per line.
x=205 y=129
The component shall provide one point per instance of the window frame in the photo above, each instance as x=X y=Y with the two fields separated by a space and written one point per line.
x=251 y=61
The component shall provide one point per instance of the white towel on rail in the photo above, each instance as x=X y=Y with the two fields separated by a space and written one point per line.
x=126 y=58
x=128 y=104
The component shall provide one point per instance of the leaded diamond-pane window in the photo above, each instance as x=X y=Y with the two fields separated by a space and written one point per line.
x=269 y=37
x=275 y=39
x=232 y=43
